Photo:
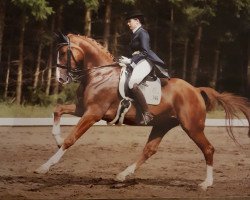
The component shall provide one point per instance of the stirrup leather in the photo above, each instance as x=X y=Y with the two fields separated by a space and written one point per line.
x=147 y=117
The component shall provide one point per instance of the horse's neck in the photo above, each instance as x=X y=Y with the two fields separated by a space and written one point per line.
x=94 y=56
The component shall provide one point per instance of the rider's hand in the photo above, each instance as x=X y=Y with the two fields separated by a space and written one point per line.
x=124 y=60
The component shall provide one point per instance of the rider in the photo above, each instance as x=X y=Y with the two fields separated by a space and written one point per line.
x=142 y=56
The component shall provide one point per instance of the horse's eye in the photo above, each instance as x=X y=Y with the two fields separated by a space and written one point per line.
x=61 y=54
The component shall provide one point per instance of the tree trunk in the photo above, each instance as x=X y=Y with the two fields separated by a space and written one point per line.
x=215 y=69
x=20 y=64
x=196 y=55
x=248 y=66
x=87 y=22
x=59 y=17
x=115 y=38
x=50 y=62
x=2 y=18
x=107 y=18
x=38 y=64
x=7 y=75
x=49 y=72
x=185 y=55
x=58 y=27
x=170 y=59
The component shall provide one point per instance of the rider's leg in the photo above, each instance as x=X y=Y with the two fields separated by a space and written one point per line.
x=139 y=97
x=140 y=71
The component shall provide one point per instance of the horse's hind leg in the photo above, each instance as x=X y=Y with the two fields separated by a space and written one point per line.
x=155 y=137
x=58 y=112
x=192 y=115
x=208 y=150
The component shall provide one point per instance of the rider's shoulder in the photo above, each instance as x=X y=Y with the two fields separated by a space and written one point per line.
x=143 y=31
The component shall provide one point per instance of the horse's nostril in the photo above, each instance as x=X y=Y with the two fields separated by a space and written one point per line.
x=69 y=79
x=61 y=80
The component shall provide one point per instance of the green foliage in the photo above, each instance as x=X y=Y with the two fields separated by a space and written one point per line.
x=93 y=4
x=38 y=8
x=241 y=6
x=39 y=97
x=68 y=94
x=200 y=11
x=14 y=110
x=131 y=2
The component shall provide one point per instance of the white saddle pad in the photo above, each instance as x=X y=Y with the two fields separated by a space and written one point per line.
x=150 y=89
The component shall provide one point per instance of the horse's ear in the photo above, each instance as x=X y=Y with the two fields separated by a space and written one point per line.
x=61 y=38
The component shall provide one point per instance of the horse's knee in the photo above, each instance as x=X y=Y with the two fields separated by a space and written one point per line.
x=149 y=151
x=58 y=109
x=58 y=112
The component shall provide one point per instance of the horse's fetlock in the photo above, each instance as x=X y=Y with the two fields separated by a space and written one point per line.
x=68 y=143
x=210 y=150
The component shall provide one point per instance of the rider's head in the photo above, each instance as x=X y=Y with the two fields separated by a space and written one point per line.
x=134 y=19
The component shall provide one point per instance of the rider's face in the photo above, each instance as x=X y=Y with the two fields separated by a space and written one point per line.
x=133 y=23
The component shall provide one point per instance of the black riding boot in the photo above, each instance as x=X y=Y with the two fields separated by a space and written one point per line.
x=139 y=97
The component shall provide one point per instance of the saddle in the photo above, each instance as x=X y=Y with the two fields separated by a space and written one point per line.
x=150 y=87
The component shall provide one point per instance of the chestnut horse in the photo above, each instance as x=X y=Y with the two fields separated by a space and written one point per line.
x=82 y=58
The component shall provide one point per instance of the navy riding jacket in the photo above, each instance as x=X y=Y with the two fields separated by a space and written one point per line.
x=140 y=43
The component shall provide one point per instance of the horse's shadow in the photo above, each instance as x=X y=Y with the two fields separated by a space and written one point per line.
x=49 y=180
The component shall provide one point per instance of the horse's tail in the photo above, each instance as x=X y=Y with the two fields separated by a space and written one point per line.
x=231 y=103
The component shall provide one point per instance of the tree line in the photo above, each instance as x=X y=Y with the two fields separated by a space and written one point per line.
x=205 y=42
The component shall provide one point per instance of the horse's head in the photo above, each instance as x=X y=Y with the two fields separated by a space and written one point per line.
x=70 y=60
x=77 y=55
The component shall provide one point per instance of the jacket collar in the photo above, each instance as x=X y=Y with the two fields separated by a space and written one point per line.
x=136 y=29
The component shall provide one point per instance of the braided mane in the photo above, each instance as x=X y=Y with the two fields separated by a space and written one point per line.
x=97 y=45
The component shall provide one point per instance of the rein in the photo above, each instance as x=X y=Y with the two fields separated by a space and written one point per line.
x=89 y=71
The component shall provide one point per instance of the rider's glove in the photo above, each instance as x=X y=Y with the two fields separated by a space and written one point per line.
x=124 y=60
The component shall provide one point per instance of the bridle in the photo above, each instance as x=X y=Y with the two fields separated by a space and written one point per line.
x=75 y=74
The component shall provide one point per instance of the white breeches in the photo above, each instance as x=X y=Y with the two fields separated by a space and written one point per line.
x=140 y=71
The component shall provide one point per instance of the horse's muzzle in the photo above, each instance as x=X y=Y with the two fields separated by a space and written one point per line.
x=62 y=81
x=62 y=76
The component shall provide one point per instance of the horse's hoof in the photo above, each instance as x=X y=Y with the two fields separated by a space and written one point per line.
x=204 y=185
x=41 y=170
x=120 y=177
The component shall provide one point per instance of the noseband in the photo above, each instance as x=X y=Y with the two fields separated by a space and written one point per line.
x=75 y=74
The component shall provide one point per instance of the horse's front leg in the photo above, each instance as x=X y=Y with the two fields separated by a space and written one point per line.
x=87 y=120
x=58 y=112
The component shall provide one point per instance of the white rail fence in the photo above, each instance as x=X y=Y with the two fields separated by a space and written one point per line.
x=70 y=121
